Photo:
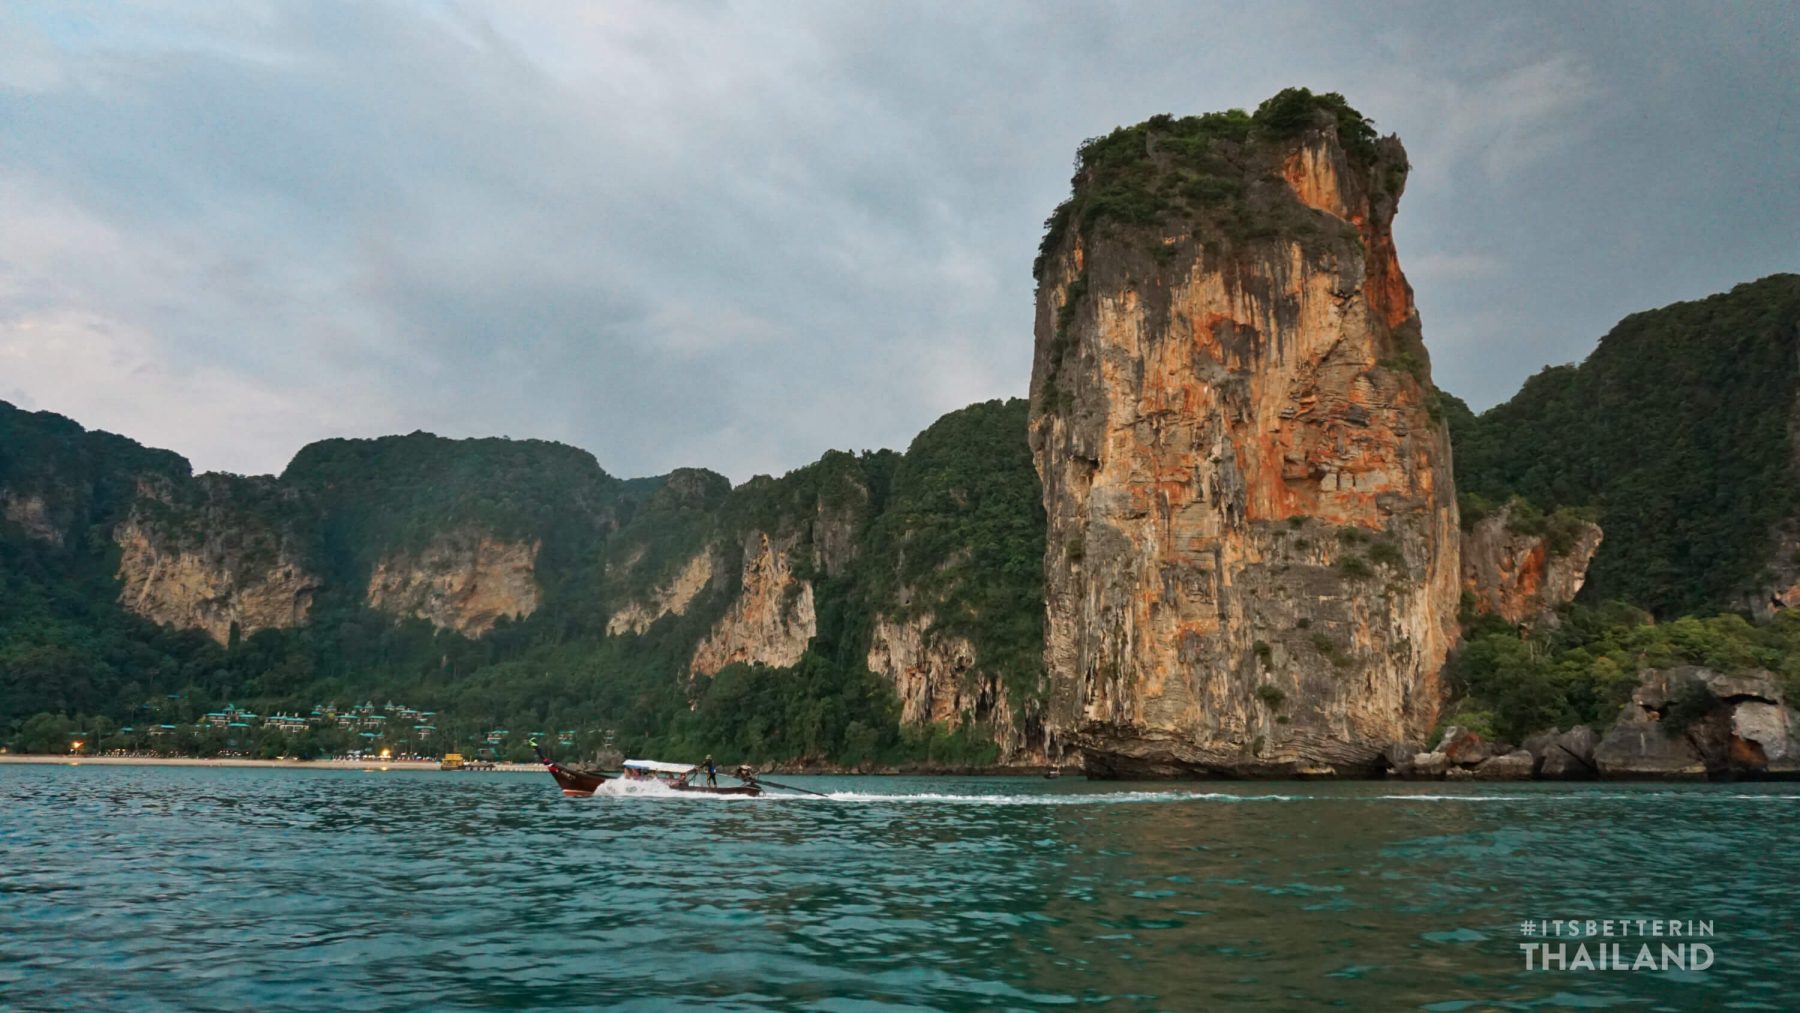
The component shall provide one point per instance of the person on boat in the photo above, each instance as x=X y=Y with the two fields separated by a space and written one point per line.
x=712 y=772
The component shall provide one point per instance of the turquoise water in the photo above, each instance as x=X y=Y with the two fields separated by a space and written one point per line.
x=146 y=888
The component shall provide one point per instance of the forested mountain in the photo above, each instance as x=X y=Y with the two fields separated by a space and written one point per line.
x=514 y=584
x=1679 y=431
x=882 y=606
x=1255 y=565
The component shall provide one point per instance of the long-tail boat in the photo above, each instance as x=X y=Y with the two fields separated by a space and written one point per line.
x=674 y=776
x=684 y=777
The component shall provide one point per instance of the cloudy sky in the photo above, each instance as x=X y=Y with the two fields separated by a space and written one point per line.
x=736 y=235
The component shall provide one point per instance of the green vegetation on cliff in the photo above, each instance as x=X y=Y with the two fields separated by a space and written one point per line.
x=675 y=521
x=64 y=644
x=406 y=489
x=1208 y=172
x=964 y=493
x=1677 y=431
x=1676 y=436
x=952 y=529
x=397 y=493
x=964 y=534
x=84 y=480
x=1583 y=669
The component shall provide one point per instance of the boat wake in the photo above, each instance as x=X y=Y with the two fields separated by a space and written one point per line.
x=617 y=788
x=653 y=789
x=621 y=788
x=1090 y=798
x=1228 y=798
x=1148 y=797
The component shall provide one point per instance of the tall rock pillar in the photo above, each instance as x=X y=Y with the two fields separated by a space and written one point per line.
x=1252 y=554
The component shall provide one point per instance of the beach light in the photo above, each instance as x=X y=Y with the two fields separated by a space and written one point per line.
x=75 y=746
x=385 y=753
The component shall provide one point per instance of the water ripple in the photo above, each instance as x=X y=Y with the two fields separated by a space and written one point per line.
x=193 y=888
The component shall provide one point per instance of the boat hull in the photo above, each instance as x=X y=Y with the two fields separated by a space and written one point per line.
x=577 y=783
x=745 y=789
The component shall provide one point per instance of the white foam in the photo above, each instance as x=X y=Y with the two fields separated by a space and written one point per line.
x=1095 y=798
x=619 y=788
x=1455 y=798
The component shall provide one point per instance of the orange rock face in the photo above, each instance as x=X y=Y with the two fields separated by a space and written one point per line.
x=936 y=679
x=463 y=580
x=1517 y=576
x=771 y=621
x=211 y=565
x=1252 y=562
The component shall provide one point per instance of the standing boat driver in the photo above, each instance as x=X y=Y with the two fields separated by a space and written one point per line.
x=712 y=772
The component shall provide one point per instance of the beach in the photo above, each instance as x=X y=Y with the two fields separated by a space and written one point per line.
x=189 y=761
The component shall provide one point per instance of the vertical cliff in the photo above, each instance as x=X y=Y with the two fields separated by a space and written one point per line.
x=780 y=543
x=953 y=581
x=464 y=580
x=1523 y=573
x=218 y=553
x=662 y=561
x=1251 y=559
x=771 y=621
x=942 y=679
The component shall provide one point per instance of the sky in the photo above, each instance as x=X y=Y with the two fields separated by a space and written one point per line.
x=736 y=235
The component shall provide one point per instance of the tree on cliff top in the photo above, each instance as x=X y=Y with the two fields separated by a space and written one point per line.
x=1292 y=111
x=1203 y=168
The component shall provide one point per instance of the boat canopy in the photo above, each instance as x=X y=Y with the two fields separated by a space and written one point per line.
x=659 y=767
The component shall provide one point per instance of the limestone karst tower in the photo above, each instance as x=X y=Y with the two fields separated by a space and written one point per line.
x=1251 y=562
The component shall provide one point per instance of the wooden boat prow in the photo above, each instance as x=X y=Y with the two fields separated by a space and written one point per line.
x=578 y=783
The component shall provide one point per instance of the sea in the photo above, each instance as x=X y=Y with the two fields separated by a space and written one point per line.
x=149 y=888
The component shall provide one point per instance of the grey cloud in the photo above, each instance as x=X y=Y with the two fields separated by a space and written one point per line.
x=736 y=235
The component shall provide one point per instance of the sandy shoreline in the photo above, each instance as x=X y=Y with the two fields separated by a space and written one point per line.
x=503 y=768
x=188 y=761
